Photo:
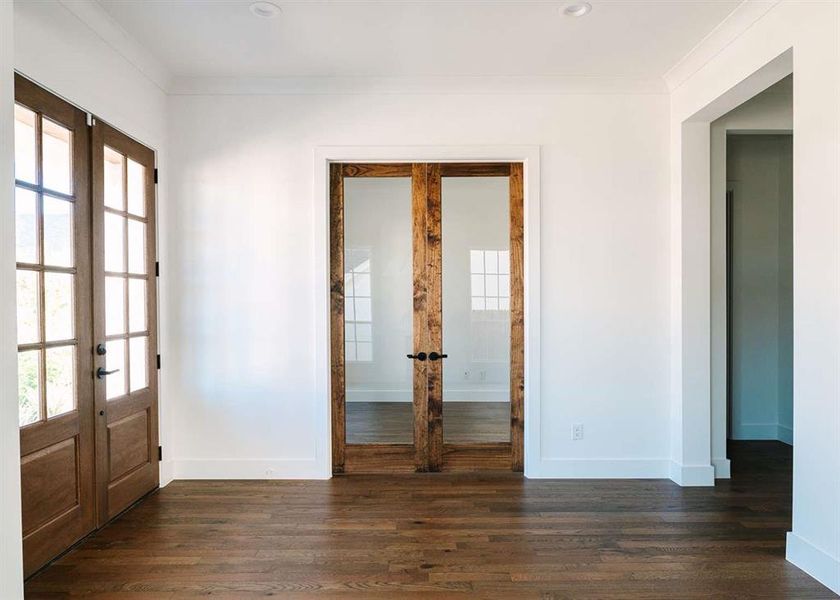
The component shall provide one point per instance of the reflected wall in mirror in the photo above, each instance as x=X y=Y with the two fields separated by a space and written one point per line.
x=475 y=228
x=378 y=292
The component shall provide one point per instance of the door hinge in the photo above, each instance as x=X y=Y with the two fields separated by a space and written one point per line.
x=156 y=175
x=158 y=361
x=157 y=269
x=160 y=452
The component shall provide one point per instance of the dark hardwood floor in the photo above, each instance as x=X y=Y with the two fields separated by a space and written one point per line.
x=493 y=536
x=393 y=422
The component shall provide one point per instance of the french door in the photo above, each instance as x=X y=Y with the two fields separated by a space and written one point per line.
x=55 y=388
x=87 y=391
x=124 y=324
x=427 y=327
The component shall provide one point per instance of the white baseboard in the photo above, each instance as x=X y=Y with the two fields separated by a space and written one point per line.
x=166 y=472
x=817 y=563
x=249 y=469
x=456 y=395
x=692 y=475
x=722 y=468
x=609 y=468
x=785 y=434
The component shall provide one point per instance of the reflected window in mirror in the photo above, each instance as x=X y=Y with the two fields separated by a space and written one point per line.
x=358 y=318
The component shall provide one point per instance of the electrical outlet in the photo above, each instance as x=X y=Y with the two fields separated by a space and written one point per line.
x=577 y=431
x=483 y=375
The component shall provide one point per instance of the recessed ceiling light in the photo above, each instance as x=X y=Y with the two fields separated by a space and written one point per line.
x=577 y=10
x=264 y=10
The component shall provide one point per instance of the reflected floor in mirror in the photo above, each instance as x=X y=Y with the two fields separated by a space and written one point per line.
x=393 y=422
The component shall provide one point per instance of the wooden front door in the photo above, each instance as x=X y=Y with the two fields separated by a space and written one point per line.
x=86 y=321
x=427 y=266
x=124 y=323
x=55 y=389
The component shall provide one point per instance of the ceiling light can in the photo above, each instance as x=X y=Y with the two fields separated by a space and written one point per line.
x=264 y=10
x=578 y=9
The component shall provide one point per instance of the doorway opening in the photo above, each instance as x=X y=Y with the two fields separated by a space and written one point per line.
x=758 y=207
x=427 y=270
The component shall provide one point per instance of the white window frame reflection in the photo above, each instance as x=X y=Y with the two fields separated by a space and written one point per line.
x=358 y=305
x=489 y=303
x=490 y=280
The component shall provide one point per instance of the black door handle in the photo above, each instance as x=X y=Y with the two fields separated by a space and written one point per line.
x=436 y=356
x=419 y=356
x=101 y=372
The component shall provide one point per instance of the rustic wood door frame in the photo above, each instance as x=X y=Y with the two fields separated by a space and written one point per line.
x=428 y=453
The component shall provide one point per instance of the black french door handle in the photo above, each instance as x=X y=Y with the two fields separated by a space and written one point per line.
x=101 y=372
x=421 y=356
x=436 y=356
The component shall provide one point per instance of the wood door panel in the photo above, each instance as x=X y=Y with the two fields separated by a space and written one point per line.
x=128 y=444
x=130 y=488
x=517 y=316
x=57 y=452
x=127 y=425
x=64 y=427
x=49 y=479
x=420 y=212
x=429 y=451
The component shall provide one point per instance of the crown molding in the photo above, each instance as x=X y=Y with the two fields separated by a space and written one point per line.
x=256 y=86
x=739 y=20
x=92 y=14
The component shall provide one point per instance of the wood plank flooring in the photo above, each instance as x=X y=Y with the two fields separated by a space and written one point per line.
x=393 y=422
x=447 y=536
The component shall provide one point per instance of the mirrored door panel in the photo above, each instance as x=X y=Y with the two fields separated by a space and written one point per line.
x=426 y=309
x=476 y=309
x=378 y=310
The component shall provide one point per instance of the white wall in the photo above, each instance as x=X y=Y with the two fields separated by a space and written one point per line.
x=241 y=336
x=769 y=112
x=716 y=78
x=759 y=172
x=74 y=50
x=11 y=563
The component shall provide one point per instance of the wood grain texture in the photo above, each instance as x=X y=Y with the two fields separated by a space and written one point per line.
x=517 y=316
x=450 y=536
x=115 y=490
x=428 y=421
x=475 y=169
x=59 y=505
x=337 y=382
x=420 y=222
x=377 y=169
x=434 y=317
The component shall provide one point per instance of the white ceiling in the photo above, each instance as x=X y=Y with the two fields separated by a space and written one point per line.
x=411 y=38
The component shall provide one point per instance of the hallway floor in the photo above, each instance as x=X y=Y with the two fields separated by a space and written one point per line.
x=438 y=536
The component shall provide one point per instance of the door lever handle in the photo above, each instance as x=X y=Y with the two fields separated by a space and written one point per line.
x=421 y=356
x=436 y=356
x=101 y=372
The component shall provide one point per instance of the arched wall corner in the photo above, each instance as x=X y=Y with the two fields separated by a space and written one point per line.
x=530 y=156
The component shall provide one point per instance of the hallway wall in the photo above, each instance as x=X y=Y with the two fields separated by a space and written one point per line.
x=759 y=172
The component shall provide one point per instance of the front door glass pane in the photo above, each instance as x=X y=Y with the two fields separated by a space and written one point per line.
x=378 y=316
x=61 y=369
x=476 y=309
